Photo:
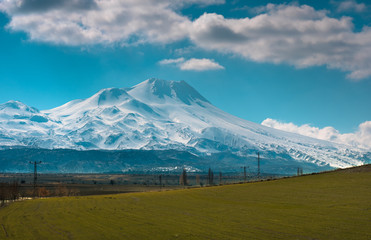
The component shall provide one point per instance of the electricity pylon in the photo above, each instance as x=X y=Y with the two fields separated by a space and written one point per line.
x=35 y=175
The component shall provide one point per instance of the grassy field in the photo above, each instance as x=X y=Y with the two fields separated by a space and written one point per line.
x=334 y=205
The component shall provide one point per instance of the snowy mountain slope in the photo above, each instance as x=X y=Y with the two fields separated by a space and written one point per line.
x=27 y=126
x=158 y=115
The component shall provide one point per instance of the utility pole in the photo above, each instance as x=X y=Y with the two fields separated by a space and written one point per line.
x=244 y=174
x=258 y=165
x=35 y=175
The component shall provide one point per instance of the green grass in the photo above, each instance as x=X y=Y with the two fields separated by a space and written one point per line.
x=334 y=205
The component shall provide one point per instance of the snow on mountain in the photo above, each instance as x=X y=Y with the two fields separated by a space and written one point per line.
x=25 y=126
x=157 y=115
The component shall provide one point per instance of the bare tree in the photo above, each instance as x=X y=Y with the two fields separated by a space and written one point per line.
x=3 y=193
x=43 y=192
x=183 y=178
x=210 y=177
x=299 y=171
x=61 y=191
x=14 y=191
x=160 y=180
x=9 y=191
x=198 y=181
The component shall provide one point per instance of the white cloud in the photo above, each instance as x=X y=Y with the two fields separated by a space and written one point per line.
x=79 y=22
x=171 y=61
x=352 y=5
x=202 y=64
x=361 y=138
x=298 y=35
x=193 y=64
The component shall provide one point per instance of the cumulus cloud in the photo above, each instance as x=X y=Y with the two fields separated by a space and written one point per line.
x=79 y=22
x=361 y=138
x=172 y=61
x=350 y=6
x=298 y=35
x=193 y=64
x=202 y=64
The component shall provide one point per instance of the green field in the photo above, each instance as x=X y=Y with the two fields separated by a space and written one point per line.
x=334 y=205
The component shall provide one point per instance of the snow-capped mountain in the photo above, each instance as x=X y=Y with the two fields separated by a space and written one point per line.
x=162 y=115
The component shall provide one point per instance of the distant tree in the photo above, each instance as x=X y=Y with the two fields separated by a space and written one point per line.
x=74 y=192
x=160 y=179
x=198 y=181
x=15 y=190
x=220 y=178
x=183 y=178
x=210 y=177
x=23 y=193
x=43 y=192
x=299 y=171
x=9 y=191
x=61 y=191
x=112 y=182
x=2 y=193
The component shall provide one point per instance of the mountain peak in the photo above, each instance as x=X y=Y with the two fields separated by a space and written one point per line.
x=159 y=89
x=111 y=96
x=158 y=114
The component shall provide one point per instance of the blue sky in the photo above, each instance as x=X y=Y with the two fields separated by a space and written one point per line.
x=305 y=62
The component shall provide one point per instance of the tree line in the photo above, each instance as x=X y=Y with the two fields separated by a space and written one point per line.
x=183 y=178
x=9 y=192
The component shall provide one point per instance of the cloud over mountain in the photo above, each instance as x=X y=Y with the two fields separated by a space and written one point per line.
x=360 y=138
x=298 y=35
x=193 y=64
